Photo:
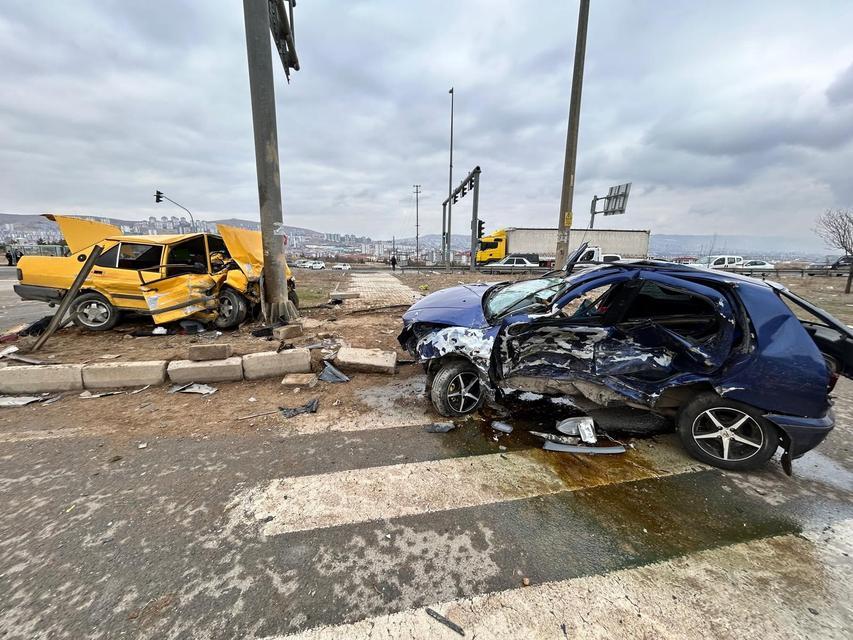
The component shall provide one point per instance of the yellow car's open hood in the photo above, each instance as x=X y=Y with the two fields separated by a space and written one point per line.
x=81 y=234
x=246 y=248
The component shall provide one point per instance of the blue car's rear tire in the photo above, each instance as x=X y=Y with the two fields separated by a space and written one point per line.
x=725 y=433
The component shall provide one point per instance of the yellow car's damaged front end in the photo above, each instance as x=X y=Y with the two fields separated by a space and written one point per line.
x=203 y=276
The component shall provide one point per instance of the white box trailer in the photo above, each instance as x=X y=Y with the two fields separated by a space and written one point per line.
x=628 y=243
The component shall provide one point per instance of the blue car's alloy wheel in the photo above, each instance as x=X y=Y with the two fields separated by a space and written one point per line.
x=726 y=434
x=456 y=389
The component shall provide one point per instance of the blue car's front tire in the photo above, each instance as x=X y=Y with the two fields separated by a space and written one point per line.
x=456 y=389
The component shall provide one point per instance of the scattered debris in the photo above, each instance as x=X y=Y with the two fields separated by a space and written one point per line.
x=114 y=459
x=258 y=415
x=263 y=332
x=287 y=331
x=285 y=346
x=8 y=350
x=553 y=437
x=525 y=581
x=36 y=328
x=52 y=399
x=192 y=326
x=583 y=426
x=439 y=427
x=503 y=427
x=109 y=356
x=309 y=407
x=18 y=401
x=447 y=623
x=88 y=394
x=11 y=353
x=142 y=445
x=338 y=296
x=140 y=390
x=573 y=448
x=193 y=387
x=331 y=373
x=159 y=331
x=299 y=380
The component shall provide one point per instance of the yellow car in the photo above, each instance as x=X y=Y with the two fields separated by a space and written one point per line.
x=169 y=277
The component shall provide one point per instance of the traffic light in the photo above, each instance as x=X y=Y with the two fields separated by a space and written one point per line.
x=480 y=228
x=158 y=196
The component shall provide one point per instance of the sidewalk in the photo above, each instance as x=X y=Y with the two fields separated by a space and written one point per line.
x=380 y=290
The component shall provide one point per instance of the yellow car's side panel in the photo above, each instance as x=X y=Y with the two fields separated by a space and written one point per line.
x=181 y=296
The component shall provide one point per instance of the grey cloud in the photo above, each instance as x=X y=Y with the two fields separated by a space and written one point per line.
x=104 y=101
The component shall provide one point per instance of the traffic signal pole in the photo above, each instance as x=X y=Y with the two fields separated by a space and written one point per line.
x=475 y=226
x=567 y=195
x=257 y=18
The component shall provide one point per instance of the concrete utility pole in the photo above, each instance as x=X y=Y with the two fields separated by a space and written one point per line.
x=448 y=241
x=417 y=240
x=257 y=18
x=564 y=222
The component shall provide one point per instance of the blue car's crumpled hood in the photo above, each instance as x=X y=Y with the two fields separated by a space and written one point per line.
x=458 y=306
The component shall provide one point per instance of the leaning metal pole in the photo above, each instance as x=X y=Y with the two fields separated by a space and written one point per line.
x=565 y=221
x=257 y=19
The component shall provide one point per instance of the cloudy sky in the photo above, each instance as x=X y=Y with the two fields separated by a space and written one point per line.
x=728 y=116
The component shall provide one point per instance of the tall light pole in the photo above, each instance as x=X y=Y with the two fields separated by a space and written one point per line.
x=447 y=241
x=417 y=240
x=564 y=222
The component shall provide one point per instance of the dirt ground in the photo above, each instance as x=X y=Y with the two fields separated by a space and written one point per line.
x=825 y=292
x=427 y=282
x=156 y=412
x=313 y=286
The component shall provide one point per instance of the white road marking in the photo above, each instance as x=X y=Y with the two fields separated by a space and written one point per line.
x=656 y=600
x=332 y=499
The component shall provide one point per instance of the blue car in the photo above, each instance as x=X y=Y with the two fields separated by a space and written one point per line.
x=741 y=365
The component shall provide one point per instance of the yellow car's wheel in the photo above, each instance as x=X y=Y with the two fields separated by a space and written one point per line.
x=94 y=312
x=232 y=309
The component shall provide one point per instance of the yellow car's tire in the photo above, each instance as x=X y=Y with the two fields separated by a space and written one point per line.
x=94 y=312
x=233 y=309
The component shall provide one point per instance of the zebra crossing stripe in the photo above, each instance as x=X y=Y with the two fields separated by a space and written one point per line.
x=304 y=503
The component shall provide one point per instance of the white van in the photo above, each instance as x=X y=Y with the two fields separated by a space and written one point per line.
x=720 y=262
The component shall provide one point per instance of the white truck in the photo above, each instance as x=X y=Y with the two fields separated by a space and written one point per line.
x=525 y=241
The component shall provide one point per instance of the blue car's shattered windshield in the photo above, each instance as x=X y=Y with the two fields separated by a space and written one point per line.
x=519 y=295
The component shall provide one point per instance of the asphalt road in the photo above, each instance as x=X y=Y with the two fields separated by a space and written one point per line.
x=13 y=310
x=343 y=533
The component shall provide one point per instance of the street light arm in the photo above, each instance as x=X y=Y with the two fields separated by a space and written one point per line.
x=192 y=220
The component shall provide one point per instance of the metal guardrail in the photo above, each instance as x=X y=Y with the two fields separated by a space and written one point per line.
x=755 y=273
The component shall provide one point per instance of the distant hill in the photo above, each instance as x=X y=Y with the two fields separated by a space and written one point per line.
x=433 y=241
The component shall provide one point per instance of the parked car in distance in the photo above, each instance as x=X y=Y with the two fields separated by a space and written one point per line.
x=341 y=266
x=723 y=355
x=303 y=264
x=513 y=263
x=596 y=255
x=840 y=266
x=167 y=277
x=317 y=264
x=755 y=265
x=719 y=262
